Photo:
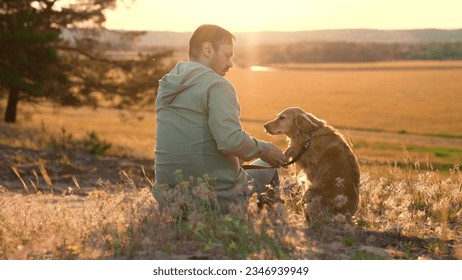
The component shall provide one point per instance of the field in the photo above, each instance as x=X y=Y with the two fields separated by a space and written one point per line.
x=380 y=106
x=58 y=201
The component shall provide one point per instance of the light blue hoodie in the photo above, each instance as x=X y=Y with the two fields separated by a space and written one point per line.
x=199 y=130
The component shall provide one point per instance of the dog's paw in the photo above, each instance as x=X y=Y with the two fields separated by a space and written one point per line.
x=289 y=152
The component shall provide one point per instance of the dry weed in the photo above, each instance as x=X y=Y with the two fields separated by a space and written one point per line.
x=123 y=221
x=71 y=227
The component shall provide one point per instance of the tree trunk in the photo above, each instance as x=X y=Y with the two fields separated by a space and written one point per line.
x=13 y=98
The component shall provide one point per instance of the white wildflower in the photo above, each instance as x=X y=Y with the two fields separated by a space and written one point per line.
x=340 y=200
x=339 y=182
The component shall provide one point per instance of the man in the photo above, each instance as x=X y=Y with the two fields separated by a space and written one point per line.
x=198 y=127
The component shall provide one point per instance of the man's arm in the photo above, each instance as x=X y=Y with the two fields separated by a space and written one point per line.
x=225 y=125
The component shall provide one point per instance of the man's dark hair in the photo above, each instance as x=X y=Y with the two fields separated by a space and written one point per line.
x=209 y=33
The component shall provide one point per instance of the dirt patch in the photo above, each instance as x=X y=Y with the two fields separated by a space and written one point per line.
x=66 y=169
x=352 y=242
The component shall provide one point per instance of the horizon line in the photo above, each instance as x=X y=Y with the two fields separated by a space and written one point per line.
x=294 y=31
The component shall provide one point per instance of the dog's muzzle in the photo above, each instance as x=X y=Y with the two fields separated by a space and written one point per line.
x=267 y=129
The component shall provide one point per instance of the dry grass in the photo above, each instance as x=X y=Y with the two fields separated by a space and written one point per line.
x=135 y=130
x=404 y=213
x=398 y=217
x=46 y=226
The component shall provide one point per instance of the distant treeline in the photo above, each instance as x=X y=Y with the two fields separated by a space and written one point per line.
x=319 y=52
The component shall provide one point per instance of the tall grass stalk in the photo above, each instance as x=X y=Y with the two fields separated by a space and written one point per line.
x=123 y=221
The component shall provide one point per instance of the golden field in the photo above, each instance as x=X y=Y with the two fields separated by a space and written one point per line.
x=413 y=96
x=382 y=107
x=417 y=100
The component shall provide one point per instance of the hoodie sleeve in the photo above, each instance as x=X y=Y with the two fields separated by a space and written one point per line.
x=225 y=125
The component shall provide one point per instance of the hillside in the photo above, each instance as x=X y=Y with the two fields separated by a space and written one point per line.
x=156 y=38
x=181 y=39
x=343 y=45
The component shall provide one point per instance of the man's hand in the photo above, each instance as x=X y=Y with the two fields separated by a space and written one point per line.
x=273 y=156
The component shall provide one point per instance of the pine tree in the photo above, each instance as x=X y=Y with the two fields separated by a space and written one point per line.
x=51 y=50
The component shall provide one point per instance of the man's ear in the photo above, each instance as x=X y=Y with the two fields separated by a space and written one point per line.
x=207 y=49
x=303 y=123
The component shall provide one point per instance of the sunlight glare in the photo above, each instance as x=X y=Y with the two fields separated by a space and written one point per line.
x=257 y=68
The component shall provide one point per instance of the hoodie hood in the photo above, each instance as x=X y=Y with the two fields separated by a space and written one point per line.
x=184 y=75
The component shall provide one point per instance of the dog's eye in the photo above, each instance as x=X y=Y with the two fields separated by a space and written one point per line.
x=281 y=117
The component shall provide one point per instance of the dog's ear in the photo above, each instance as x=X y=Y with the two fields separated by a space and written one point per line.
x=304 y=123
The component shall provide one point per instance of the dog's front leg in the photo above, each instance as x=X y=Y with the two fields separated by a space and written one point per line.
x=290 y=152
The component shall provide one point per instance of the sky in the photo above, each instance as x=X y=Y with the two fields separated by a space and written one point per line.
x=284 y=15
